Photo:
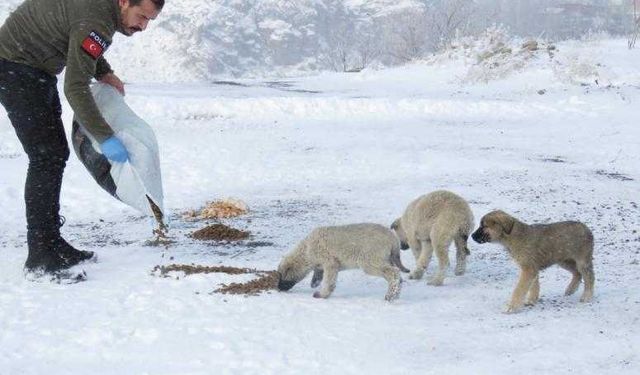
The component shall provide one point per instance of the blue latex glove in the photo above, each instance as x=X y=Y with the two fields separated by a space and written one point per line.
x=114 y=150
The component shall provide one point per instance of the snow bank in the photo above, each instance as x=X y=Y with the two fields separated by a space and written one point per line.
x=494 y=55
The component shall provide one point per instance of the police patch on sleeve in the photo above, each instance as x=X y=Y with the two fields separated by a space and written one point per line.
x=94 y=44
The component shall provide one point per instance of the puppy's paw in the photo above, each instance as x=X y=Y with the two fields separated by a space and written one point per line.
x=391 y=297
x=512 y=309
x=436 y=281
x=585 y=299
x=459 y=271
x=416 y=274
x=319 y=294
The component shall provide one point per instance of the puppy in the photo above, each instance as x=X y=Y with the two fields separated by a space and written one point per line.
x=434 y=221
x=327 y=250
x=568 y=244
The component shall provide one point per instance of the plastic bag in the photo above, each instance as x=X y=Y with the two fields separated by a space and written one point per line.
x=137 y=182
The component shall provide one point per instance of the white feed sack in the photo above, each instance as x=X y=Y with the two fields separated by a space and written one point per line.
x=135 y=180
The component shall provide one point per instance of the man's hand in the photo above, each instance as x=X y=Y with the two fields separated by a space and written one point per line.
x=114 y=150
x=113 y=80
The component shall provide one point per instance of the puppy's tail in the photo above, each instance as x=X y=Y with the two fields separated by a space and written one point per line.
x=395 y=259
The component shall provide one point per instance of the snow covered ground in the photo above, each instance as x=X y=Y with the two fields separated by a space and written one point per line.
x=335 y=149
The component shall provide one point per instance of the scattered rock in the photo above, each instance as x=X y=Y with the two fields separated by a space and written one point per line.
x=530 y=45
x=499 y=50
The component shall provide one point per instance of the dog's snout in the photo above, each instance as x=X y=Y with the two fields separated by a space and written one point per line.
x=479 y=236
x=284 y=285
x=474 y=235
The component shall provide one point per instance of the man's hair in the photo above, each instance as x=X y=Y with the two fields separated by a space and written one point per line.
x=158 y=3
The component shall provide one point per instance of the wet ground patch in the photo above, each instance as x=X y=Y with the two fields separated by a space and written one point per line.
x=553 y=159
x=266 y=280
x=614 y=175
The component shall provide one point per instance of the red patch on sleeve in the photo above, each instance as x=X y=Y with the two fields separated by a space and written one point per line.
x=94 y=44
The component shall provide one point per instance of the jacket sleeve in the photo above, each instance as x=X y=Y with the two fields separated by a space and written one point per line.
x=102 y=68
x=87 y=42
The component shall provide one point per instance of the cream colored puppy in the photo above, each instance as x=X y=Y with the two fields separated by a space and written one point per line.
x=328 y=250
x=434 y=221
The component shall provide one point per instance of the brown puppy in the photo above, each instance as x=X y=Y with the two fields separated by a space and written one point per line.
x=568 y=244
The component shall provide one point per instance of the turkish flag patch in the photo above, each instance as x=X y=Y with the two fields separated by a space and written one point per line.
x=94 y=45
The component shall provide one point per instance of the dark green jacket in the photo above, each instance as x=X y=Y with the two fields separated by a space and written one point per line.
x=51 y=34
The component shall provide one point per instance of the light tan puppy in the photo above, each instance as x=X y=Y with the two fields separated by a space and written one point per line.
x=371 y=247
x=568 y=244
x=434 y=221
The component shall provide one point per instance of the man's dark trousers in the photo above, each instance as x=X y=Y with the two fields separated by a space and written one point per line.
x=31 y=99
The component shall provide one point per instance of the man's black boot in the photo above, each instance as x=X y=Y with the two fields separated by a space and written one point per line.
x=46 y=262
x=41 y=256
x=71 y=255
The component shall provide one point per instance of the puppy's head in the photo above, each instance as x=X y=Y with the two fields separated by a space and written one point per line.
x=291 y=271
x=494 y=226
x=402 y=236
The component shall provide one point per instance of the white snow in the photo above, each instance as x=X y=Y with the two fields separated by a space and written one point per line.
x=336 y=149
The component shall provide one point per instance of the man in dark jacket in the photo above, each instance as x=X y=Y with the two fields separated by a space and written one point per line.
x=37 y=41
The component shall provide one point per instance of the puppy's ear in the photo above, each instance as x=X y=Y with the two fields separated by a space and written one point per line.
x=506 y=222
